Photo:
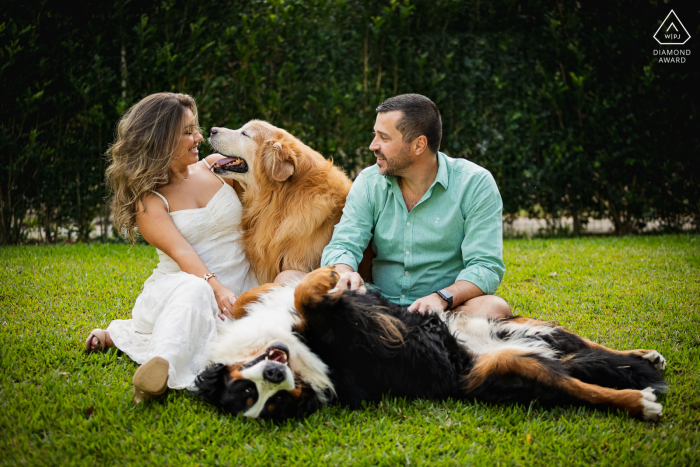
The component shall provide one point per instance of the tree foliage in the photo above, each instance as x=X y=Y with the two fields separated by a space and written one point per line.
x=562 y=101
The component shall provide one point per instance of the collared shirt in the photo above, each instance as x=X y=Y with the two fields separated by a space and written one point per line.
x=453 y=233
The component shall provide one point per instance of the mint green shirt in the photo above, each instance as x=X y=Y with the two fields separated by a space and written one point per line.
x=453 y=233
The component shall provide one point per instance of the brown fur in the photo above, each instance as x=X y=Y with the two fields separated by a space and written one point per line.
x=251 y=296
x=291 y=205
x=517 y=362
x=234 y=371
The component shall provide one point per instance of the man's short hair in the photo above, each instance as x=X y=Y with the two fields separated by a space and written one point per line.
x=420 y=117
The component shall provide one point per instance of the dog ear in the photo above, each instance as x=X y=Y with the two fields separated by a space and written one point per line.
x=279 y=160
x=309 y=402
x=211 y=383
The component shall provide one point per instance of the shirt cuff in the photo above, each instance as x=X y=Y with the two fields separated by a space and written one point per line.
x=341 y=258
x=481 y=277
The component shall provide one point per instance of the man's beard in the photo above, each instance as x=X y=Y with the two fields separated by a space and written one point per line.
x=398 y=163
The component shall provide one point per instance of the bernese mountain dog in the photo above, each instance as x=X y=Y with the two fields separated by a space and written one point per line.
x=291 y=350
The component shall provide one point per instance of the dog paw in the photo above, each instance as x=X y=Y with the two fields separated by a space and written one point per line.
x=322 y=280
x=655 y=359
x=648 y=394
x=651 y=410
x=315 y=285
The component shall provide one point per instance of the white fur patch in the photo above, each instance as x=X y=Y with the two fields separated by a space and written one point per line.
x=479 y=335
x=656 y=359
x=266 y=389
x=651 y=411
x=271 y=319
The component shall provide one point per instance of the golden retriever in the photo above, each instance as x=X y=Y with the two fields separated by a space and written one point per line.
x=293 y=196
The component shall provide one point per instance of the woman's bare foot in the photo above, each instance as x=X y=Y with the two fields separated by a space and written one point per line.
x=98 y=340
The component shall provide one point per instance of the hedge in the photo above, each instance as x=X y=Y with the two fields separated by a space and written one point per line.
x=564 y=102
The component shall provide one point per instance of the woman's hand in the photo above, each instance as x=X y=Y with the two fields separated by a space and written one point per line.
x=225 y=300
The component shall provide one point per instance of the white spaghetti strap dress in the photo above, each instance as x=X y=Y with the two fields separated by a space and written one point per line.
x=175 y=316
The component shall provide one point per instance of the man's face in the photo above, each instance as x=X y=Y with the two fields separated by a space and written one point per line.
x=393 y=155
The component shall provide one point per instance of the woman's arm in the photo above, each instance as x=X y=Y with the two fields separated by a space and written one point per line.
x=158 y=228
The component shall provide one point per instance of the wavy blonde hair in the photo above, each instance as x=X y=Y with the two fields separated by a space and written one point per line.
x=142 y=154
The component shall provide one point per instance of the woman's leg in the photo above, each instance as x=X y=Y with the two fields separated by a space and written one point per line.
x=183 y=329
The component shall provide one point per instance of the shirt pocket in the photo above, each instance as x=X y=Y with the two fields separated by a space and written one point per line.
x=444 y=233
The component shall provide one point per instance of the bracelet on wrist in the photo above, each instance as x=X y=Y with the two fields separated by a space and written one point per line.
x=208 y=276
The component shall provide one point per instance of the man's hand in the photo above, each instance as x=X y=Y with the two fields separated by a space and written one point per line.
x=431 y=303
x=349 y=279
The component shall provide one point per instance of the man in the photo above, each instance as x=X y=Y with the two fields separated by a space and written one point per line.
x=435 y=221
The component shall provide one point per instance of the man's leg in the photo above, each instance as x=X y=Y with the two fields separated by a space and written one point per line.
x=485 y=306
x=289 y=277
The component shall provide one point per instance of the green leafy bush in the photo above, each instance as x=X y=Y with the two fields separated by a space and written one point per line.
x=564 y=103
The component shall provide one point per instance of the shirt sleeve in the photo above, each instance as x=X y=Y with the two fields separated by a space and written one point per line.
x=482 y=247
x=354 y=231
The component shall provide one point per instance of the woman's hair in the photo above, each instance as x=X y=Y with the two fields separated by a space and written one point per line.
x=142 y=153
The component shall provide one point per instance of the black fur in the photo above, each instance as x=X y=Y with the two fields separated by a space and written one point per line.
x=431 y=364
x=373 y=347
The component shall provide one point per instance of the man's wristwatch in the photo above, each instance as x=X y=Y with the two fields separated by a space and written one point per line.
x=447 y=296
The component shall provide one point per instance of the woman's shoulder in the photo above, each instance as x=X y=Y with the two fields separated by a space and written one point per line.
x=152 y=201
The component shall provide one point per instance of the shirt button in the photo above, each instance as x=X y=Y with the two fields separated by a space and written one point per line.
x=408 y=223
x=403 y=296
x=407 y=273
x=407 y=253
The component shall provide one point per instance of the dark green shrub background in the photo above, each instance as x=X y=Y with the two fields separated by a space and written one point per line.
x=563 y=101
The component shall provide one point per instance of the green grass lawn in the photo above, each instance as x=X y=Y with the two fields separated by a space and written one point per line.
x=61 y=406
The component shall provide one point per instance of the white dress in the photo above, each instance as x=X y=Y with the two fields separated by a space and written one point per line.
x=175 y=316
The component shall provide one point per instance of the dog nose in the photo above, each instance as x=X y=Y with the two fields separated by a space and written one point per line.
x=214 y=131
x=274 y=374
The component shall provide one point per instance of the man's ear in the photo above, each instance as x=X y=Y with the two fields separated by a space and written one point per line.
x=279 y=160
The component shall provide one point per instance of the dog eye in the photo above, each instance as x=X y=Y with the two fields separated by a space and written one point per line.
x=245 y=134
x=248 y=390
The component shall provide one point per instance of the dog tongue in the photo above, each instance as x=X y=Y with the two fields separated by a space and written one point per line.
x=225 y=161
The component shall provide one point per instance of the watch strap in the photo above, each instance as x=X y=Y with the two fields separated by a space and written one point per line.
x=447 y=296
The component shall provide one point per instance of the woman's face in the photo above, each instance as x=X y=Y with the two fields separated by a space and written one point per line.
x=187 y=151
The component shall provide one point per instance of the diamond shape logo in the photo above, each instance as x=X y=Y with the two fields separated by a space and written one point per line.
x=671 y=31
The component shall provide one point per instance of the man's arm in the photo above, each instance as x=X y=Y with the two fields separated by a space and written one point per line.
x=461 y=292
x=482 y=249
x=351 y=236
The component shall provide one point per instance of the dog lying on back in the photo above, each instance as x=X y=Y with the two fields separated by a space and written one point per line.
x=294 y=349
x=293 y=196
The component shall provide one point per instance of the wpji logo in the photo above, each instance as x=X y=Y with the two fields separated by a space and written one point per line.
x=671 y=31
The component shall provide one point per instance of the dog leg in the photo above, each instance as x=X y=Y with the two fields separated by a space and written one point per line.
x=654 y=358
x=315 y=285
x=549 y=373
x=251 y=296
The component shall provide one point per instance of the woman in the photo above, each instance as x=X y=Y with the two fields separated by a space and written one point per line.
x=192 y=218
